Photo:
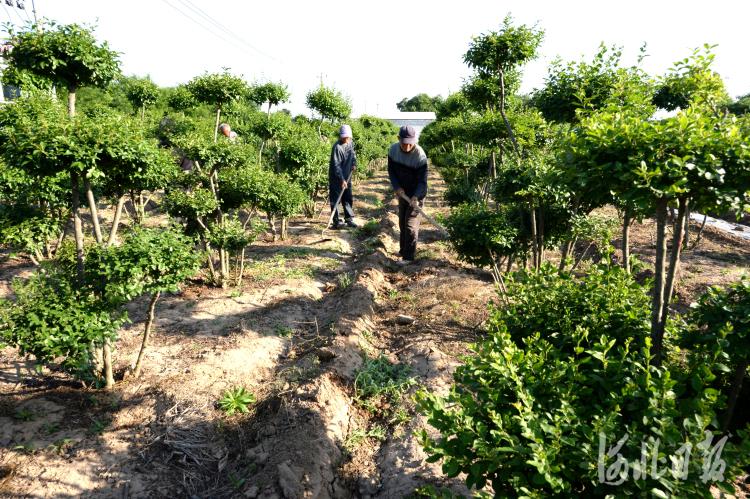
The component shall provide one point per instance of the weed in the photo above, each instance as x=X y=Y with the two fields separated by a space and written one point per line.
x=236 y=481
x=98 y=426
x=24 y=415
x=50 y=428
x=235 y=293
x=236 y=399
x=61 y=445
x=393 y=294
x=369 y=229
x=380 y=385
x=283 y=331
x=367 y=335
x=345 y=280
x=356 y=437
x=399 y=417
x=24 y=448
x=427 y=254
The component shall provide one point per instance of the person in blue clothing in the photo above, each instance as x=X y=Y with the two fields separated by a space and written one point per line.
x=407 y=170
x=343 y=162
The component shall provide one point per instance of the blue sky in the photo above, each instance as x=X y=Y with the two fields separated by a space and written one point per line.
x=380 y=52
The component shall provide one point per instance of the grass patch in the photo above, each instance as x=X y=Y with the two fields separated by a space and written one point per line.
x=276 y=268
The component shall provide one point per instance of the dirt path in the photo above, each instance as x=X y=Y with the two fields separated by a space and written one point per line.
x=310 y=310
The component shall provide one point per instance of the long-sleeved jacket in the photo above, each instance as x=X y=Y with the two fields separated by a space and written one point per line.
x=343 y=159
x=408 y=170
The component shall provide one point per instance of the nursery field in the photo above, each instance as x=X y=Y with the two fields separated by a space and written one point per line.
x=305 y=333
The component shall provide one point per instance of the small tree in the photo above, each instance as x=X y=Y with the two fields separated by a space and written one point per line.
x=271 y=93
x=150 y=261
x=694 y=159
x=180 y=98
x=217 y=90
x=141 y=92
x=495 y=54
x=420 y=103
x=329 y=103
x=69 y=56
x=55 y=320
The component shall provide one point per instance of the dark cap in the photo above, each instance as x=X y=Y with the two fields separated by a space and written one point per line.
x=407 y=135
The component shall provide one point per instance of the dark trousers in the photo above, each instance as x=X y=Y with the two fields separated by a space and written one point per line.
x=334 y=191
x=408 y=225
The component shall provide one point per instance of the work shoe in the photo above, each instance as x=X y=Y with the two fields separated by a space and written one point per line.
x=336 y=225
x=403 y=262
x=350 y=223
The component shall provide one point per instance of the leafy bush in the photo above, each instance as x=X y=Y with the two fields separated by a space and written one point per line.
x=534 y=420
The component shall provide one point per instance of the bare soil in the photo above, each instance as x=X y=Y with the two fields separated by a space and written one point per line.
x=295 y=334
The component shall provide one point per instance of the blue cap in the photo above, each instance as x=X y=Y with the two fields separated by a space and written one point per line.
x=345 y=131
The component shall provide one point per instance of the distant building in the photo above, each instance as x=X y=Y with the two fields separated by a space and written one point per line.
x=415 y=119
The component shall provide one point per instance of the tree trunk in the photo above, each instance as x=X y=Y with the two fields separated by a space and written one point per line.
x=540 y=230
x=657 y=302
x=143 y=113
x=626 y=220
x=72 y=100
x=242 y=267
x=77 y=225
x=699 y=236
x=272 y=224
x=686 y=238
x=116 y=221
x=216 y=128
x=109 y=379
x=674 y=260
x=92 y=208
x=534 y=240
x=260 y=153
x=734 y=394
x=146 y=333
x=493 y=165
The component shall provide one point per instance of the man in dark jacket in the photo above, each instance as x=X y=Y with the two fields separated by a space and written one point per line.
x=407 y=169
x=343 y=162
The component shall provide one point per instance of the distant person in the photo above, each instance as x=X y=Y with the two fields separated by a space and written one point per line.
x=407 y=170
x=227 y=132
x=343 y=162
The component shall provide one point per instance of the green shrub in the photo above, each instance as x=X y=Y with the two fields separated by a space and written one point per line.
x=478 y=233
x=606 y=302
x=721 y=335
x=539 y=412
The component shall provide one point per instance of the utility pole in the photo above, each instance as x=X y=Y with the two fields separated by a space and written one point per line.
x=33 y=11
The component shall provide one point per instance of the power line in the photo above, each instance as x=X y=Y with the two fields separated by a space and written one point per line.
x=190 y=5
x=23 y=21
x=26 y=13
x=10 y=18
x=207 y=28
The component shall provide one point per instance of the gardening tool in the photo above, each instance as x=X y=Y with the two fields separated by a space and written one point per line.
x=338 y=200
x=428 y=217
